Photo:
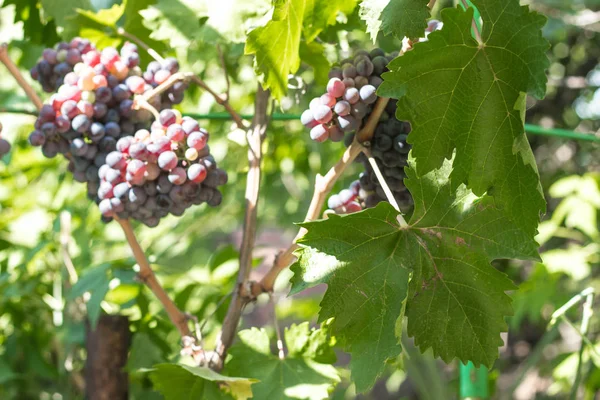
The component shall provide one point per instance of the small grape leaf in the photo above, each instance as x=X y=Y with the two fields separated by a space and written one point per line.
x=398 y=17
x=276 y=46
x=301 y=375
x=439 y=263
x=465 y=97
x=320 y=14
x=183 y=382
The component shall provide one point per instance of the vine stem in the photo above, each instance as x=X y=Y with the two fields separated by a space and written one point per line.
x=255 y=137
x=14 y=71
x=323 y=185
x=153 y=53
x=142 y=103
x=147 y=276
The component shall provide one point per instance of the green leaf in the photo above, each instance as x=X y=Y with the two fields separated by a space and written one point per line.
x=298 y=376
x=320 y=14
x=96 y=281
x=175 y=21
x=367 y=285
x=468 y=98
x=106 y=17
x=181 y=382
x=34 y=29
x=313 y=54
x=316 y=344
x=144 y=353
x=398 y=17
x=61 y=10
x=276 y=46
x=99 y=27
x=405 y=18
x=456 y=302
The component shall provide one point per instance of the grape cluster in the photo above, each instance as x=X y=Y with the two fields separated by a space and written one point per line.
x=351 y=92
x=92 y=121
x=345 y=108
x=4 y=145
x=159 y=172
x=91 y=110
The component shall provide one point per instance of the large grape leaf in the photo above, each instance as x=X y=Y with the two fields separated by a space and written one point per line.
x=467 y=97
x=183 y=382
x=439 y=263
x=398 y=17
x=305 y=372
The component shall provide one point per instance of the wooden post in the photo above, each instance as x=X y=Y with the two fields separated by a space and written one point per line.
x=107 y=348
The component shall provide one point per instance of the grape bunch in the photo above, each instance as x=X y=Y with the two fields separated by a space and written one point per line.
x=343 y=110
x=348 y=102
x=91 y=110
x=159 y=172
x=4 y=145
x=91 y=120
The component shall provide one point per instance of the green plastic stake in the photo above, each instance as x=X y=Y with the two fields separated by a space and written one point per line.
x=473 y=382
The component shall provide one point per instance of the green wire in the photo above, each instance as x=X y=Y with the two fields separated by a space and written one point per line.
x=223 y=116
x=529 y=128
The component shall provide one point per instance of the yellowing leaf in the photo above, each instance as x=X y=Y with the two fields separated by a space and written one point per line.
x=183 y=382
x=301 y=375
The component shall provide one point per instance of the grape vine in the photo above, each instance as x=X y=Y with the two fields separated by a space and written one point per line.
x=411 y=238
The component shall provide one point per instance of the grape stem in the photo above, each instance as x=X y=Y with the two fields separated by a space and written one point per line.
x=153 y=53
x=388 y=193
x=140 y=102
x=255 y=137
x=147 y=276
x=14 y=71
